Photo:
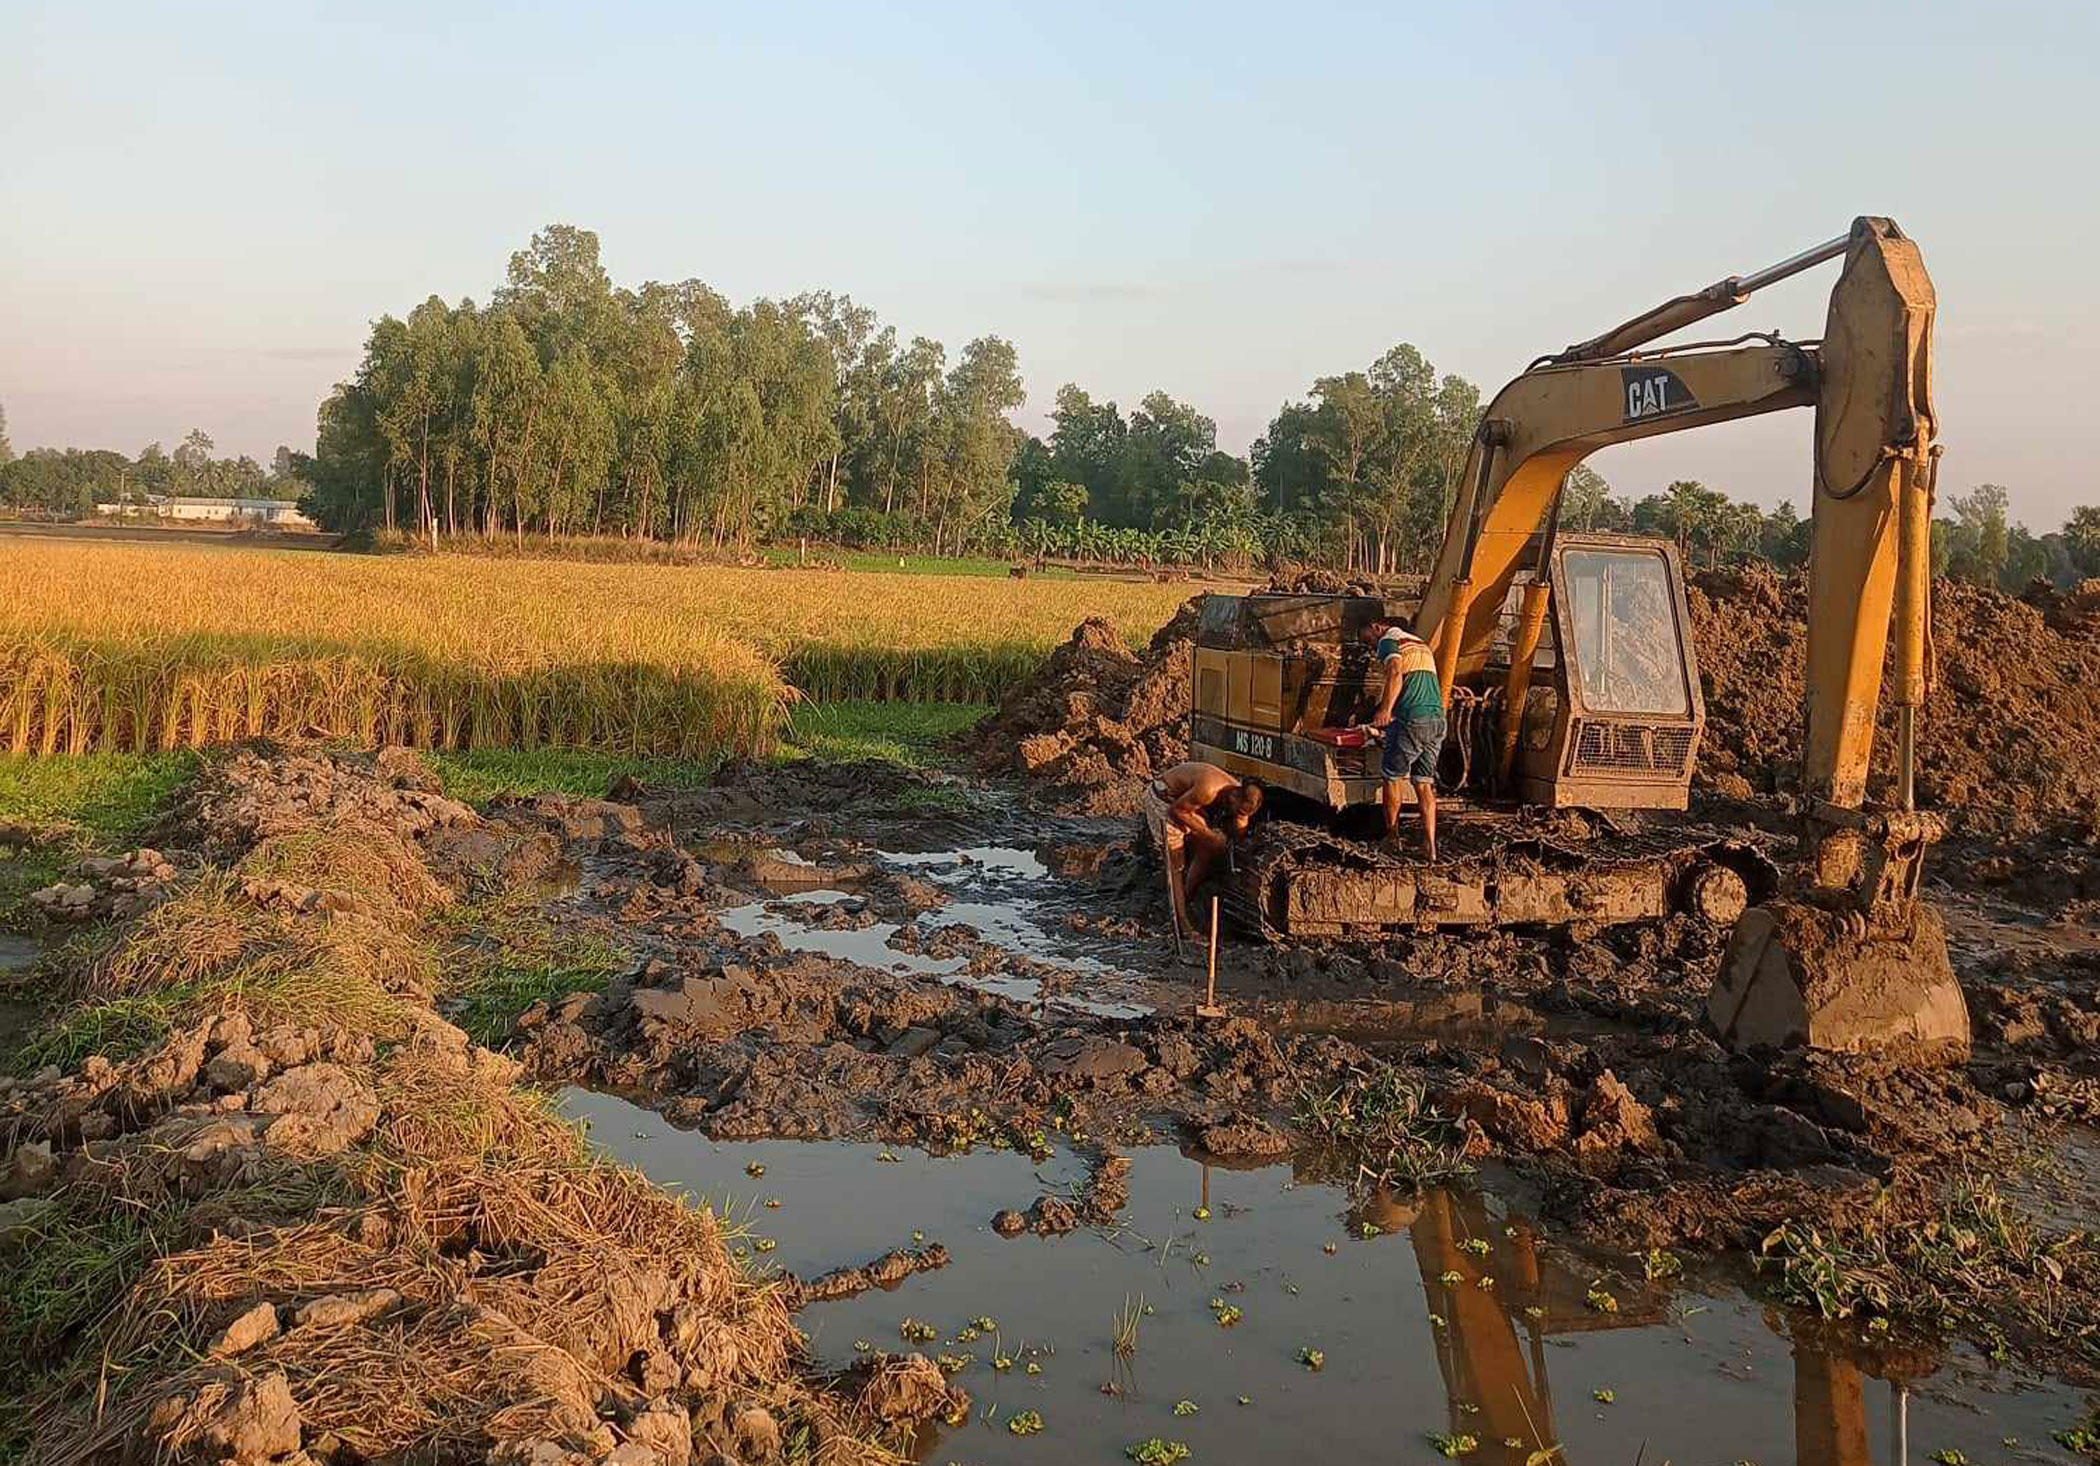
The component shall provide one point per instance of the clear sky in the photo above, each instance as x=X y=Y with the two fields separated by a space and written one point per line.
x=203 y=206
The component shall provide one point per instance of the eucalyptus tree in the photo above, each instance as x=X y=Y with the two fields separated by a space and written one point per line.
x=2081 y=536
x=905 y=415
x=857 y=341
x=1585 y=498
x=978 y=442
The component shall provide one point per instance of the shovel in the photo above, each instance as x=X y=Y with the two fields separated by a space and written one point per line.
x=1209 y=1008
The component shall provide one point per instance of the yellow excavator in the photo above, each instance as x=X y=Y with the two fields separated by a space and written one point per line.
x=1573 y=689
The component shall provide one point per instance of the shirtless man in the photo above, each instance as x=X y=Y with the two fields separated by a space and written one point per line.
x=1194 y=811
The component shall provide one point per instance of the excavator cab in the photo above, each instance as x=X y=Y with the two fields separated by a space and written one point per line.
x=1612 y=708
x=1616 y=724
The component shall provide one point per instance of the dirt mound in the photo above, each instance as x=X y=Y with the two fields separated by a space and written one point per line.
x=2074 y=612
x=858 y=785
x=264 y=791
x=2005 y=745
x=759 y=1042
x=1096 y=722
x=1095 y=719
x=303 y=1217
x=1319 y=583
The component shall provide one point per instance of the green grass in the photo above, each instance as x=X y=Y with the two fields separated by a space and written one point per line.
x=1979 y=1264
x=106 y=797
x=487 y=1006
x=68 y=1267
x=505 y=955
x=1381 y=1118
x=479 y=775
x=907 y=733
x=79 y=805
x=116 y=1028
x=106 y=801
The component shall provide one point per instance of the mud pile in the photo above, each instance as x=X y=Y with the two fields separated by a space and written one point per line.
x=742 y=1038
x=305 y=1220
x=2006 y=740
x=1320 y=583
x=1647 y=1133
x=2014 y=707
x=259 y=793
x=1095 y=720
x=107 y=888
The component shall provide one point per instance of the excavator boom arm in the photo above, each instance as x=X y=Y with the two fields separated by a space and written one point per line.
x=1687 y=310
x=1869 y=380
x=1548 y=420
x=1871 y=554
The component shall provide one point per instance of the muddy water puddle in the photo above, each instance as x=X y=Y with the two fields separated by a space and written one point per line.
x=1447 y=1316
x=995 y=891
x=1465 y=1016
x=1981 y=927
x=1013 y=900
x=19 y=956
x=2063 y=1191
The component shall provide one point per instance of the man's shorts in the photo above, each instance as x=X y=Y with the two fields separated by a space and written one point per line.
x=1167 y=837
x=1411 y=748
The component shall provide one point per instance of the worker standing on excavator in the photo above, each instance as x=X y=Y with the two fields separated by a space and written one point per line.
x=1411 y=716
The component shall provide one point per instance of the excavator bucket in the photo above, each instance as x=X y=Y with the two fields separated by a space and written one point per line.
x=1796 y=974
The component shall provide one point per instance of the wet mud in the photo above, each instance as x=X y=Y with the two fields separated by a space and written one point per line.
x=19 y=956
x=993 y=977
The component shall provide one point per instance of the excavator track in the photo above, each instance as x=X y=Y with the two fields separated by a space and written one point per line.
x=1293 y=881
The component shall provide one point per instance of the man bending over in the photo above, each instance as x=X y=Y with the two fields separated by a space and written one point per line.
x=1411 y=713
x=1194 y=811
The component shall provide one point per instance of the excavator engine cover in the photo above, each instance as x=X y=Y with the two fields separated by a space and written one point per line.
x=1798 y=975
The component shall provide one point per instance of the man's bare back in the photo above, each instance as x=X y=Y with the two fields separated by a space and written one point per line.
x=1179 y=809
x=1196 y=783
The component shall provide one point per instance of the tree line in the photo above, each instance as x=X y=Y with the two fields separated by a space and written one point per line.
x=70 y=482
x=567 y=405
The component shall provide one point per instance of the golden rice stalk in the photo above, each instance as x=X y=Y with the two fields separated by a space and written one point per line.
x=146 y=646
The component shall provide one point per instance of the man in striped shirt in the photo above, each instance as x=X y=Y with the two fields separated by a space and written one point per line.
x=1411 y=716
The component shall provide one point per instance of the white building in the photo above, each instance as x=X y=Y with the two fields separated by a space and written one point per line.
x=256 y=513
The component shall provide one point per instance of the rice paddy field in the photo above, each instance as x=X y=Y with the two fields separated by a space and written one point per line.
x=134 y=648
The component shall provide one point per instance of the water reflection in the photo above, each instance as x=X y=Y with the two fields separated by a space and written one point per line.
x=1501 y=1306
x=1452 y=1314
